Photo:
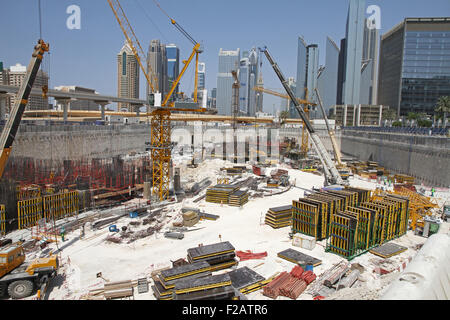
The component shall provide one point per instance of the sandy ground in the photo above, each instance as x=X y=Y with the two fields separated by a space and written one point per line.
x=83 y=258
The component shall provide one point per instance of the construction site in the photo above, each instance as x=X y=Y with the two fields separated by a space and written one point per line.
x=186 y=205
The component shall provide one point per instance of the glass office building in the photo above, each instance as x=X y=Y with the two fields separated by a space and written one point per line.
x=328 y=78
x=415 y=65
x=173 y=64
x=228 y=61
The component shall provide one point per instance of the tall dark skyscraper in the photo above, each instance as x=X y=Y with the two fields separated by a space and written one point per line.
x=173 y=64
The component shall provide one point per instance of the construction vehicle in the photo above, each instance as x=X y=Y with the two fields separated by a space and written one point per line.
x=12 y=125
x=332 y=175
x=343 y=170
x=18 y=279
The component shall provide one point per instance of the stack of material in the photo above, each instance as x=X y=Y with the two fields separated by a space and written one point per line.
x=238 y=198
x=207 y=216
x=248 y=255
x=403 y=178
x=311 y=215
x=166 y=280
x=234 y=171
x=299 y=258
x=279 y=217
x=388 y=250
x=246 y=280
x=219 y=256
x=276 y=174
x=190 y=218
x=335 y=274
x=297 y=272
x=272 y=183
x=220 y=193
x=122 y=289
x=202 y=288
x=272 y=290
x=293 y=288
x=308 y=277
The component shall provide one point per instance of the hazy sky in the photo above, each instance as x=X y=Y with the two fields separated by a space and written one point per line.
x=88 y=57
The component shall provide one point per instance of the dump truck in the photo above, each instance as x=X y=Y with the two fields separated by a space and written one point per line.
x=18 y=279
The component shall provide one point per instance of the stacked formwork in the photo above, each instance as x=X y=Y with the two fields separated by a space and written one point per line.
x=279 y=217
x=367 y=225
x=220 y=193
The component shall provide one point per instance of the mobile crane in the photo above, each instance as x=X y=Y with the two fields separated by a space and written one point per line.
x=18 y=279
x=332 y=175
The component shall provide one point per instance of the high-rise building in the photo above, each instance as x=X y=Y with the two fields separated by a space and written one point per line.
x=328 y=77
x=17 y=76
x=201 y=76
x=228 y=61
x=157 y=62
x=127 y=76
x=415 y=65
x=301 y=69
x=213 y=98
x=259 y=95
x=87 y=105
x=371 y=46
x=307 y=72
x=173 y=65
x=312 y=71
x=248 y=77
x=354 y=52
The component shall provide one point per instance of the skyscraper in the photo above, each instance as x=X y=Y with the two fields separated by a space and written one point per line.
x=157 y=62
x=228 y=61
x=16 y=75
x=354 y=52
x=259 y=95
x=328 y=78
x=127 y=76
x=415 y=65
x=301 y=70
x=248 y=77
x=371 y=46
x=173 y=65
x=201 y=76
x=307 y=72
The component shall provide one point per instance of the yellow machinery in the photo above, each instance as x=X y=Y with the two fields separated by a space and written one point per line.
x=160 y=117
x=304 y=148
x=18 y=279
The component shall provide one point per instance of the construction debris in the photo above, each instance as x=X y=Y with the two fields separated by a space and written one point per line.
x=248 y=255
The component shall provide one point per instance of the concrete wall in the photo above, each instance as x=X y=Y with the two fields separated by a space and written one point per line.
x=62 y=142
x=425 y=157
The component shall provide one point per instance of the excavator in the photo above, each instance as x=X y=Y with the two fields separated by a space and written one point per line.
x=18 y=279
x=332 y=176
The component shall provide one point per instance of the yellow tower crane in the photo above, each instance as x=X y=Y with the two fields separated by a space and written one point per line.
x=161 y=152
x=304 y=148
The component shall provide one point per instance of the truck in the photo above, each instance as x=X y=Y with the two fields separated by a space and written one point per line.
x=18 y=279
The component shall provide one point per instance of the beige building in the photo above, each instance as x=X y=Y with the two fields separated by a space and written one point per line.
x=351 y=115
x=15 y=77
x=127 y=76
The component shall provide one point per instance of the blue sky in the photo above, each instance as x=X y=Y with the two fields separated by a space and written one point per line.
x=87 y=57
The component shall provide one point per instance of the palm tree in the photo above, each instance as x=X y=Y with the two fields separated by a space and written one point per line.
x=283 y=116
x=443 y=107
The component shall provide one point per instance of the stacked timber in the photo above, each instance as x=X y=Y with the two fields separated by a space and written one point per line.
x=115 y=290
x=190 y=218
x=165 y=282
x=279 y=217
x=220 y=193
x=219 y=256
x=238 y=198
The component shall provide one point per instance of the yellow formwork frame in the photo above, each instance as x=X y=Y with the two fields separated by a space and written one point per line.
x=2 y=220
x=61 y=205
x=302 y=214
x=29 y=212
